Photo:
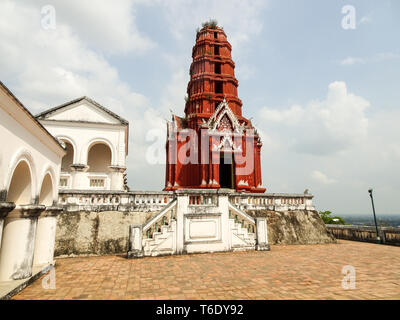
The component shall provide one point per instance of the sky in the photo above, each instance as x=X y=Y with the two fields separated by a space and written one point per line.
x=324 y=97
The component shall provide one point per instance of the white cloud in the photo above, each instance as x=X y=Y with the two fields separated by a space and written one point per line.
x=173 y=95
x=321 y=177
x=366 y=19
x=352 y=60
x=240 y=19
x=379 y=57
x=45 y=68
x=290 y=116
x=352 y=149
x=322 y=127
x=107 y=26
x=245 y=71
x=56 y=65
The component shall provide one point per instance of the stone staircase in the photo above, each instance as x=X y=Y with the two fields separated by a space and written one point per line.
x=162 y=243
x=204 y=226
x=241 y=238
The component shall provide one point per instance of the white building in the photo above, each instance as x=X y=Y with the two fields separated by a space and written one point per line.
x=96 y=140
x=30 y=161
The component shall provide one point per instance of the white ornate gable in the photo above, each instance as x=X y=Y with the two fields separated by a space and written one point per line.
x=221 y=118
x=225 y=123
x=227 y=144
x=84 y=110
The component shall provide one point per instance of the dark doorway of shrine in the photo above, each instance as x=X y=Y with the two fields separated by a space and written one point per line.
x=226 y=170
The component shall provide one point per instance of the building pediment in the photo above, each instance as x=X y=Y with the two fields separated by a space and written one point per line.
x=82 y=110
x=224 y=119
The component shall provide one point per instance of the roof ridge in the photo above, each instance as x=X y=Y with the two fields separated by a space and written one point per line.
x=19 y=103
x=94 y=102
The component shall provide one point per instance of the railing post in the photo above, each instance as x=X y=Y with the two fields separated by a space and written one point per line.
x=182 y=204
x=382 y=235
x=174 y=239
x=262 y=234
x=135 y=242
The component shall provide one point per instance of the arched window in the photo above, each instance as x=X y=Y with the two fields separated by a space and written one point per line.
x=68 y=159
x=99 y=158
x=20 y=191
x=46 y=192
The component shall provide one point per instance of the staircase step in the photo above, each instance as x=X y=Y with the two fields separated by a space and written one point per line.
x=243 y=248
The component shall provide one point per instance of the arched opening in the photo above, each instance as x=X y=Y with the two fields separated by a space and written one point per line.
x=46 y=192
x=99 y=158
x=20 y=190
x=68 y=159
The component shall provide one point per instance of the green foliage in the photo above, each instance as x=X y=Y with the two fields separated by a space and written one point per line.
x=328 y=219
x=212 y=23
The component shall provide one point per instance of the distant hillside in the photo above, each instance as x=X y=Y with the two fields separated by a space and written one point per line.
x=368 y=220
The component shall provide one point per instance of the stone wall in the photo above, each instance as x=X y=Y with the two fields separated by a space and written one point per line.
x=294 y=227
x=107 y=232
x=97 y=222
x=95 y=233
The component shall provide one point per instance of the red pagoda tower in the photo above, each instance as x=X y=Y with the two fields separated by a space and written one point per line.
x=213 y=146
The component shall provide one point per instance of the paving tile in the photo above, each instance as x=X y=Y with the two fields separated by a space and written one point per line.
x=285 y=272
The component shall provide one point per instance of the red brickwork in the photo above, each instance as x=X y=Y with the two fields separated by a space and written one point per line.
x=212 y=82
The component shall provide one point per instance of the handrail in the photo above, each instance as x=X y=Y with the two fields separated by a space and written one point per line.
x=158 y=216
x=242 y=213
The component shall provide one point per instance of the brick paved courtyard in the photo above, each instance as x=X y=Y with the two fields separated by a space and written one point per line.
x=286 y=272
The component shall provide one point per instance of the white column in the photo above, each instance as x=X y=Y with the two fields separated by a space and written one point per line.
x=223 y=204
x=79 y=177
x=231 y=226
x=16 y=254
x=117 y=178
x=5 y=208
x=135 y=241
x=46 y=236
x=181 y=207
x=262 y=234
x=173 y=228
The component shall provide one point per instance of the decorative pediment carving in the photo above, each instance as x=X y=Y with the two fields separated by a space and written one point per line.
x=224 y=119
x=227 y=144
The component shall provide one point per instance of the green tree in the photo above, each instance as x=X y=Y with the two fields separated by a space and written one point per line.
x=328 y=219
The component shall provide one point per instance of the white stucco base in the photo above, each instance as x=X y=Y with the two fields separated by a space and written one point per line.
x=45 y=236
x=198 y=221
x=16 y=255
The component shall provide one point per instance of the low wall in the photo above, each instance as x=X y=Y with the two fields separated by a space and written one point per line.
x=97 y=222
x=95 y=233
x=107 y=232
x=388 y=235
